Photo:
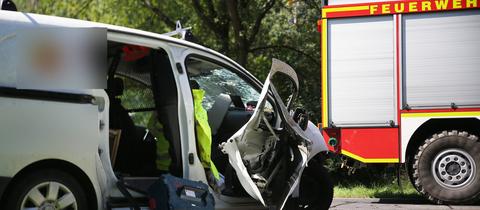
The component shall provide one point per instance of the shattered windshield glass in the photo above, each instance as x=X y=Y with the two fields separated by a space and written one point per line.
x=221 y=80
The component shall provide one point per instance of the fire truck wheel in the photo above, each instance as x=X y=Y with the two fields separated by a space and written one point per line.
x=446 y=168
x=316 y=189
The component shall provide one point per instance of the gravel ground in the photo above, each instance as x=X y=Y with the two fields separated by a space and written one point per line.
x=376 y=203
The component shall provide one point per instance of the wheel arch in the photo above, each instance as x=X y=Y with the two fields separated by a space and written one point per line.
x=432 y=126
x=62 y=165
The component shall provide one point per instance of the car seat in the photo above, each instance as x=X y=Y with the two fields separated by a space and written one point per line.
x=166 y=100
x=127 y=155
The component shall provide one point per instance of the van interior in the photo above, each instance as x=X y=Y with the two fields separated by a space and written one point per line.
x=139 y=95
x=141 y=88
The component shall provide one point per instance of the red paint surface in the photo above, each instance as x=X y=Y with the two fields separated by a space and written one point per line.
x=370 y=142
x=347 y=14
x=375 y=8
x=319 y=26
x=331 y=133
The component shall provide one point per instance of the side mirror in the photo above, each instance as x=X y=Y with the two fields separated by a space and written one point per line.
x=8 y=5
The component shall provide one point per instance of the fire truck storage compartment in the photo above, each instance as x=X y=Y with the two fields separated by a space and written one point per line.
x=441 y=59
x=361 y=71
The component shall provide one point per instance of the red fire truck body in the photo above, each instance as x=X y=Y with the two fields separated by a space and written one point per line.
x=399 y=80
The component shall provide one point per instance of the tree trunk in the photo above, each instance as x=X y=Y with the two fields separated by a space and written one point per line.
x=242 y=57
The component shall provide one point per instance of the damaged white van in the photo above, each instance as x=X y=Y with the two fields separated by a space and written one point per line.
x=80 y=149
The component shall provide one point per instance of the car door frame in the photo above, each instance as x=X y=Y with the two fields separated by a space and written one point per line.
x=248 y=78
x=186 y=132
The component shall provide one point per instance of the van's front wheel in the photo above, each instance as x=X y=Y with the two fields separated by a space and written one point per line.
x=316 y=189
x=47 y=189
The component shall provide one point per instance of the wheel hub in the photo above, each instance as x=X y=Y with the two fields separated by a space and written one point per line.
x=453 y=168
x=49 y=196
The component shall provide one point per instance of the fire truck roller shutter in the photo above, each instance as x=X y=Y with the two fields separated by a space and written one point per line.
x=442 y=59
x=361 y=70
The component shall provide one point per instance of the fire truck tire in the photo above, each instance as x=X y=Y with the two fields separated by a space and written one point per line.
x=446 y=168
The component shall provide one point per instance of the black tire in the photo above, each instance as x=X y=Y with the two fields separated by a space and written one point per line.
x=446 y=168
x=316 y=189
x=43 y=181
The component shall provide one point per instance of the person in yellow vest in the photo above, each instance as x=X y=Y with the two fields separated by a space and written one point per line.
x=163 y=159
x=204 y=140
x=204 y=137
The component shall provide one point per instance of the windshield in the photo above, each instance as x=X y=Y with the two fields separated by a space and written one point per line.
x=216 y=80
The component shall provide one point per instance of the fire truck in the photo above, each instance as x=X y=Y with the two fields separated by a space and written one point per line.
x=401 y=84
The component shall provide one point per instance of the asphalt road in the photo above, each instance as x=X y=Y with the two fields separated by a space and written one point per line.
x=375 y=203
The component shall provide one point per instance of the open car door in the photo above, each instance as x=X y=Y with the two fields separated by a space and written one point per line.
x=270 y=157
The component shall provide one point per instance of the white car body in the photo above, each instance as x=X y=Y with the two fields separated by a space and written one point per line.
x=83 y=143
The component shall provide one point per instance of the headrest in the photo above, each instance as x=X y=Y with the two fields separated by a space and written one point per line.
x=116 y=87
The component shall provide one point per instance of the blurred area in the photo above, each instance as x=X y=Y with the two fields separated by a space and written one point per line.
x=52 y=61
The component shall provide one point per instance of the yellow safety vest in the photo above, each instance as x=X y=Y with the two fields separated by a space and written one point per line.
x=163 y=159
x=204 y=133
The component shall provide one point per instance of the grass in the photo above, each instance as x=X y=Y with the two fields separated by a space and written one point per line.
x=369 y=181
x=376 y=191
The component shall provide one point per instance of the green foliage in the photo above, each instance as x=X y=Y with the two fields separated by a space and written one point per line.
x=296 y=44
x=128 y=13
x=137 y=96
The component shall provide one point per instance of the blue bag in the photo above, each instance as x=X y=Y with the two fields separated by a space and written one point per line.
x=173 y=193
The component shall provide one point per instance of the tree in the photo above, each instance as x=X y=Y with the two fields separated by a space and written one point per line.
x=252 y=32
x=234 y=23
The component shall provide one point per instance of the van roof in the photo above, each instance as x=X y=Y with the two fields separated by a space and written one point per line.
x=46 y=20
